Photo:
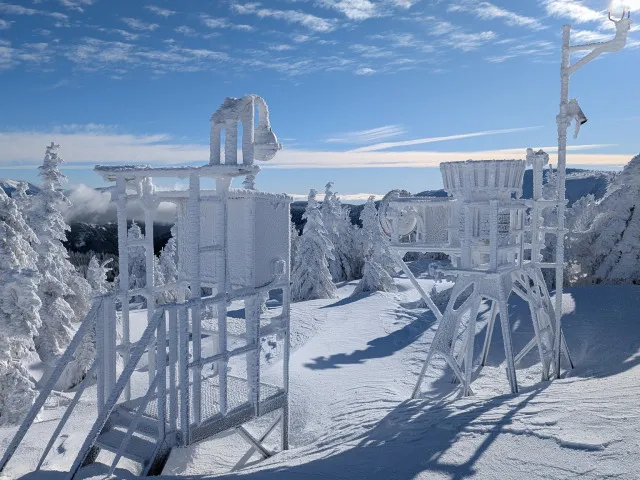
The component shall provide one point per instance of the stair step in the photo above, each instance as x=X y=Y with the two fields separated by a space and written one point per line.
x=138 y=449
x=123 y=417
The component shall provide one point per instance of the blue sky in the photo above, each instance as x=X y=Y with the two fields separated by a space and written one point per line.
x=371 y=94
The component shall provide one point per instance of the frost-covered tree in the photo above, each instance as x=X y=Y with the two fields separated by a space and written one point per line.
x=137 y=259
x=17 y=237
x=342 y=234
x=166 y=271
x=22 y=199
x=17 y=391
x=609 y=250
x=377 y=258
x=65 y=295
x=295 y=239
x=311 y=278
x=97 y=275
x=19 y=323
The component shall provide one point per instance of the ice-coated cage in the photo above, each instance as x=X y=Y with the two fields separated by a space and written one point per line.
x=493 y=238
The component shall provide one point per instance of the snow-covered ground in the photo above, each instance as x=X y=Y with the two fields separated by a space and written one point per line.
x=354 y=365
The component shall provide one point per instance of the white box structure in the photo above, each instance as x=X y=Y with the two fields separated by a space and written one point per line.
x=203 y=352
x=494 y=246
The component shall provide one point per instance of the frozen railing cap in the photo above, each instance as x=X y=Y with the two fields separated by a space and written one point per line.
x=483 y=179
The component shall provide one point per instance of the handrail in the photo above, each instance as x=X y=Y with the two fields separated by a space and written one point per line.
x=136 y=353
x=62 y=363
x=67 y=413
x=134 y=425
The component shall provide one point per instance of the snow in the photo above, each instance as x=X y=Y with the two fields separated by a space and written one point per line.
x=354 y=365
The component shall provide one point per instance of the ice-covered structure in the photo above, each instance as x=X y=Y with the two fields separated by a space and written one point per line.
x=203 y=352
x=494 y=246
x=494 y=238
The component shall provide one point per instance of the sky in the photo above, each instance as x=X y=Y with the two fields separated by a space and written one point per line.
x=369 y=94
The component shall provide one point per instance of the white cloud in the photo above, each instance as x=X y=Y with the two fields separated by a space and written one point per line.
x=186 y=31
x=368 y=136
x=489 y=11
x=422 y=141
x=312 y=22
x=4 y=24
x=283 y=47
x=365 y=71
x=352 y=9
x=574 y=10
x=136 y=24
x=76 y=4
x=163 y=12
x=82 y=147
x=212 y=22
x=10 y=9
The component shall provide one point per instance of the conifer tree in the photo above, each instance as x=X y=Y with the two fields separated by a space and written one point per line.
x=311 y=278
x=341 y=233
x=377 y=258
x=609 y=251
x=65 y=295
x=97 y=275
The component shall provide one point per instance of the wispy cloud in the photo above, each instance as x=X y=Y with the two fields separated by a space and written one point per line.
x=136 y=24
x=83 y=146
x=352 y=9
x=368 y=136
x=365 y=71
x=77 y=5
x=456 y=37
x=489 y=11
x=93 y=54
x=535 y=49
x=312 y=22
x=212 y=22
x=163 y=12
x=574 y=10
x=422 y=141
x=4 y=24
x=10 y=9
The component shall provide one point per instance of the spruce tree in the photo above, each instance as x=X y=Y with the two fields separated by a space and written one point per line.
x=65 y=295
x=377 y=258
x=311 y=278
x=341 y=233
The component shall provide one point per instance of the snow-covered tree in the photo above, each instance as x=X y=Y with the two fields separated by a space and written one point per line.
x=65 y=295
x=295 y=239
x=609 y=250
x=97 y=275
x=166 y=271
x=17 y=391
x=18 y=236
x=22 y=199
x=311 y=278
x=19 y=323
x=377 y=258
x=137 y=259
x=342 y=234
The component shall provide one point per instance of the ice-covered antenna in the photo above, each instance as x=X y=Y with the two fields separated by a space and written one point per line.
x=571 y=111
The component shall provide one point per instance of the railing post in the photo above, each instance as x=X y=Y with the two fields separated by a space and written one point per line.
x=161 y=364
x=193 y=214
x=123 y=264
x=173 y=358
x=252 y=318
x=100 y=354
x=183 y=332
